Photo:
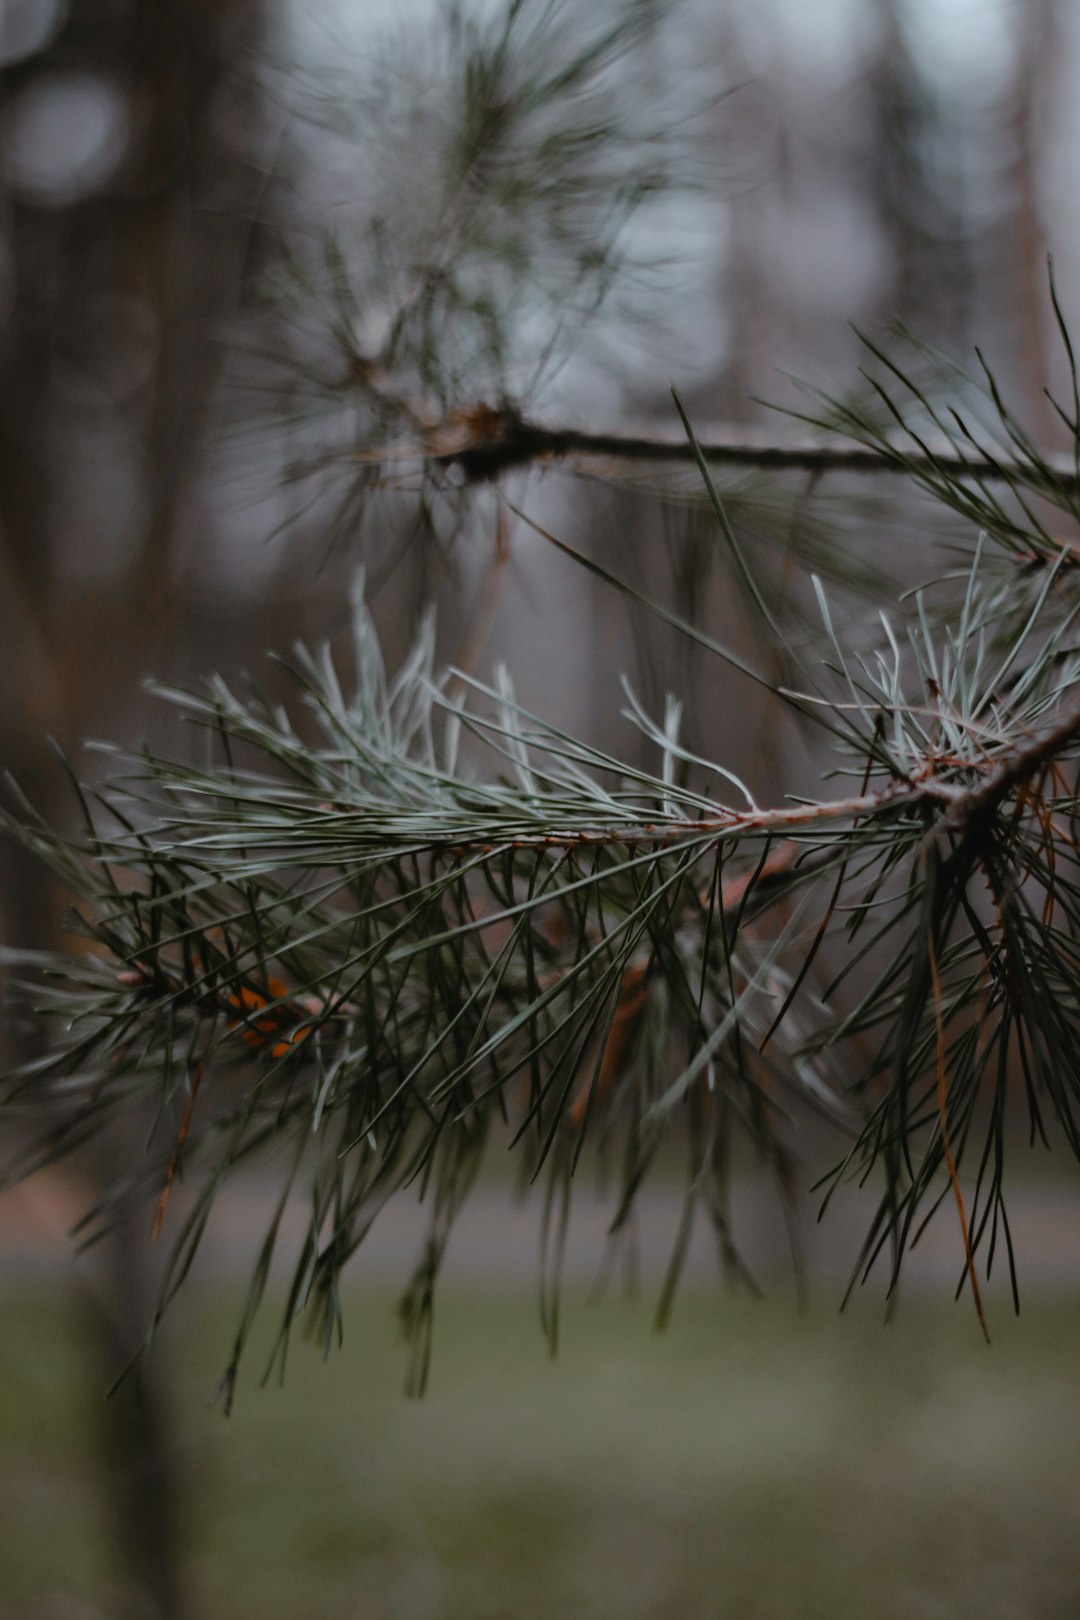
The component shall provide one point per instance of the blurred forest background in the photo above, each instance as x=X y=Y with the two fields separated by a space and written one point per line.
x=176 y=498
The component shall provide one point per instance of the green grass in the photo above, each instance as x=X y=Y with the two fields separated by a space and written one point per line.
x=751 y=1463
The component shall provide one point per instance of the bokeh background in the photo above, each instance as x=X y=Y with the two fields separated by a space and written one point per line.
x=163 y=170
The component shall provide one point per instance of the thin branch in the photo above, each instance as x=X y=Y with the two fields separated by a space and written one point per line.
x=1018 y=767
x=485 y=442
x=963 y=804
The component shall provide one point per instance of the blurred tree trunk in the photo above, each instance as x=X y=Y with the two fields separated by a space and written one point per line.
x=107 y=364
x=1036 y=86
x=910 y=174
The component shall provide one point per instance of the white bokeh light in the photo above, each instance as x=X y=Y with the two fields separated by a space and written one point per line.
x=63 y=136
x=27 y=26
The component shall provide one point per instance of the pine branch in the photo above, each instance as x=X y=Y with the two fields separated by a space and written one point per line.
x=372 y=953
x=1025 y=762
x=425 y=916
x=485 y=442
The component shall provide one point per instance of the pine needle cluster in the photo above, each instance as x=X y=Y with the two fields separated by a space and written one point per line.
x=369 y=935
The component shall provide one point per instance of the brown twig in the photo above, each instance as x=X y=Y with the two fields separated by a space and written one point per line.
x=962 y=805
x=485 y=441
x=1021 y=764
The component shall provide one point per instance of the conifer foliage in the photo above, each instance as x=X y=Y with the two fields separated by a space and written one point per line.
x=378 y=929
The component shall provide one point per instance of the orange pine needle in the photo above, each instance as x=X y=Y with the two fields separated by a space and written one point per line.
x=632 y=995
x=258 y=1034
x=181 y=1138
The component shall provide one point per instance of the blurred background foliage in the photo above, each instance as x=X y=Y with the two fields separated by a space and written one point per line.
x=252 y=254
